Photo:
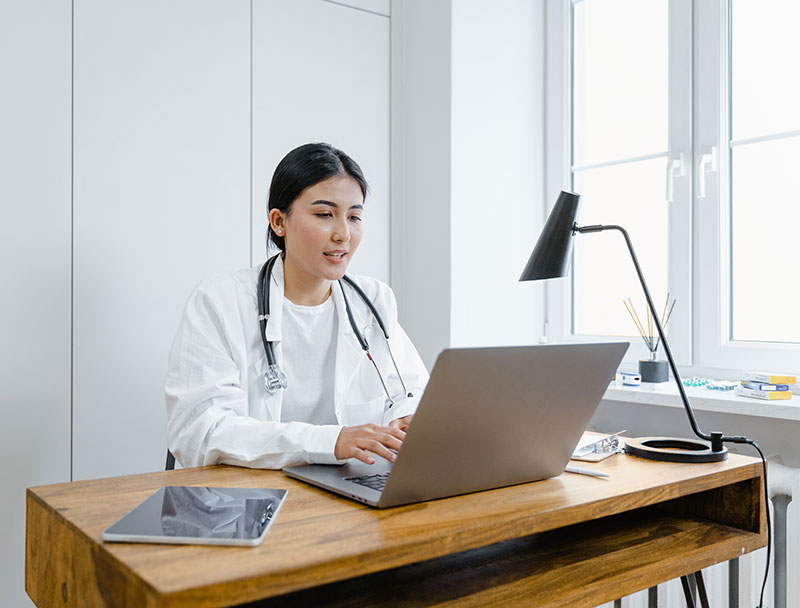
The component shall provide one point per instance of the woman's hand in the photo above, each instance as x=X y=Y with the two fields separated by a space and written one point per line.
x=359 y=441
x=401 y=423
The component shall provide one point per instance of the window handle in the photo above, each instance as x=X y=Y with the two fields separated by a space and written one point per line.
x=706 y=163
x=675 y=168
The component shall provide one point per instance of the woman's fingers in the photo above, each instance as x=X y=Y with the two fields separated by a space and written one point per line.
x=401 y=423
x=359 y=441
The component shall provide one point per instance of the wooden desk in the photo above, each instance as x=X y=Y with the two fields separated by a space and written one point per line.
x=568 y=541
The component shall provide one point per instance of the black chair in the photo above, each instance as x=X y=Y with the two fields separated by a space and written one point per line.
x=170 y=466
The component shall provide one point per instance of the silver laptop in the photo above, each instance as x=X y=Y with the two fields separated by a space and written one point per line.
x=489 y=417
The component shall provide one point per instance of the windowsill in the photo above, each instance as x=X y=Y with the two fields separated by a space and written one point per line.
x=701 y=399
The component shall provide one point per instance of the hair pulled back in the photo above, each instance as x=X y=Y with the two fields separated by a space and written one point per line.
x=302 y=168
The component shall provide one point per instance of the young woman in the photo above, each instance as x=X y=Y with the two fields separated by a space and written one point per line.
x=287 y=363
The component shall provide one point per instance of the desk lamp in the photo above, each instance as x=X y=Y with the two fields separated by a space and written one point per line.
x=551 y=259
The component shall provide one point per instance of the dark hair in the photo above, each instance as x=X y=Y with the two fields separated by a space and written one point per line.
x=302 y=168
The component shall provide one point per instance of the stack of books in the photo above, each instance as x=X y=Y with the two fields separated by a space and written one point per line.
x=764 y=385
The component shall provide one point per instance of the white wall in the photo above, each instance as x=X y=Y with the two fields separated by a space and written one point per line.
x=340 y=96
x=497 y=170
x=421 y=148
x=35 y=308
x=467 y=170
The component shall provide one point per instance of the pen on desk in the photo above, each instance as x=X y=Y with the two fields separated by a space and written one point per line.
x=581 y=471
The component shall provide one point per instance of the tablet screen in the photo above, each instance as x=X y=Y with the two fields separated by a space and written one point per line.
x=200 y=515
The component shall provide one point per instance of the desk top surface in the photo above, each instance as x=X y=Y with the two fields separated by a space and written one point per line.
x=323 y=537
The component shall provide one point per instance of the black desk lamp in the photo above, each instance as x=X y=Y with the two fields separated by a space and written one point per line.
x=550 y=259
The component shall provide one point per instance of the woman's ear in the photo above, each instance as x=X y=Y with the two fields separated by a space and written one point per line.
x=277 y=221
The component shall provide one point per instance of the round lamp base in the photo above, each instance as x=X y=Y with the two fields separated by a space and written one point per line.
x=674 y=449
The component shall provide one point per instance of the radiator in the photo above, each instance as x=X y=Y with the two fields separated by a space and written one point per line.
x=784 y=484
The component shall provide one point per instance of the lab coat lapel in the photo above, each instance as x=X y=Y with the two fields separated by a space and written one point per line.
x=274 y=403
x=349 y=354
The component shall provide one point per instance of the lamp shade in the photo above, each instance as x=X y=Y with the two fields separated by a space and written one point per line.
x=551 y=255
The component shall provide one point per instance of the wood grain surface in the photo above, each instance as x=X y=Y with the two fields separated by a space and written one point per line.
x=320 y=538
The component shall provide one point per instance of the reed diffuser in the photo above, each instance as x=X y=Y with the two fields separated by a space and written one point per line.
x=651 y=369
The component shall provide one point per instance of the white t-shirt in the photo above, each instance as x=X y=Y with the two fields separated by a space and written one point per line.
x=308 y=345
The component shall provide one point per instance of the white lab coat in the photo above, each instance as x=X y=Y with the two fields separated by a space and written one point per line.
x=217 y=407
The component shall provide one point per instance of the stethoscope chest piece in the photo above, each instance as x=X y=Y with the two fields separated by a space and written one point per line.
x=274 y=379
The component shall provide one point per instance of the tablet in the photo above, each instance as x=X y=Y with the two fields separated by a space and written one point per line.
x=200 y=516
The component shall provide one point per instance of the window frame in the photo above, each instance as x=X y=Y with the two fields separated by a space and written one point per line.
x=699 y=258
x=559 y=173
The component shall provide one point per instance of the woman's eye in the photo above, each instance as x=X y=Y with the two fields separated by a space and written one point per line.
x=355 y=218
x=325 y=214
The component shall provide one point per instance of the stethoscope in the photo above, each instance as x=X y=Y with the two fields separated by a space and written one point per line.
x=274 y=378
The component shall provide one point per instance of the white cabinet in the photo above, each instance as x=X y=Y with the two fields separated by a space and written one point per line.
x=321 y=73
x=162 y=199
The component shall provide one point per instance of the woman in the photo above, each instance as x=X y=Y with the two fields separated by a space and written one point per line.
x=325 y=399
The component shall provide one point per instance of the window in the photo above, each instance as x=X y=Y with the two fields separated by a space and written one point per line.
x=764 y=156
x=678 y=121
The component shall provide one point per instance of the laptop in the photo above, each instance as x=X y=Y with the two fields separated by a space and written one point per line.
x=489 y=418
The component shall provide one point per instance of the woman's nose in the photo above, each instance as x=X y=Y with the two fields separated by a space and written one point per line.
x=341 y=233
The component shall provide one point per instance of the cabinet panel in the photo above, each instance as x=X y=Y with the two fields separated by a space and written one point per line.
x=35 y=41
x=321 y=73
x=162 y=200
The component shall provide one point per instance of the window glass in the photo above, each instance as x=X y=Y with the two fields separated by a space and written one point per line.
x=765 y=174
x=630 y=195
x=765 y=67
x=619 y=111
x=620 y=79
x=765 y=220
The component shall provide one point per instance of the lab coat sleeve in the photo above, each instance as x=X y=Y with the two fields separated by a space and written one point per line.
x=207 y=406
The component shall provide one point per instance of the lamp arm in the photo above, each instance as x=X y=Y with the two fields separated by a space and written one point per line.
x=716 y=438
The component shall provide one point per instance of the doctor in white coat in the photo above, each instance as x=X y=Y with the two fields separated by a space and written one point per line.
x=336 y=404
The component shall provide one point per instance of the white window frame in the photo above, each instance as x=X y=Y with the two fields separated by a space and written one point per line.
x=699 y=231
x=558 y=323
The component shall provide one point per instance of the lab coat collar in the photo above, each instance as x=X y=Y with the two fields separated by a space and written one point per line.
x=349 y=354
x=273 y=332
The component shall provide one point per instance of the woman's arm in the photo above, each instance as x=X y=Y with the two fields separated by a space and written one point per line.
x=209 y=418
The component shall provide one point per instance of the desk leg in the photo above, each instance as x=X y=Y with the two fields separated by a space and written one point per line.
x=733 y=583
x=618 y=603
x=687 y=592
x=701 y=588
x=652 y=597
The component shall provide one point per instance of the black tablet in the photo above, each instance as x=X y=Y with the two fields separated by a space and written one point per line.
x=200 y=515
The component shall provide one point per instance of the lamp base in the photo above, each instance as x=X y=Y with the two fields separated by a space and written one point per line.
x=674 y=449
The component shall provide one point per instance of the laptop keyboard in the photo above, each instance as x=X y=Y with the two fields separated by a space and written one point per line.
x=376 y=482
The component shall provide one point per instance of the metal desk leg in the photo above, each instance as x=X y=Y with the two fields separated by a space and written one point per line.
x=687 y=591
x=652 y=597
x=701 y=588
x=733 y=583
x=780 y=503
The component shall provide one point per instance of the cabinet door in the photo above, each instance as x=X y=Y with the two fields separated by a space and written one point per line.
x=34 y=266
x=321 y=73
x=161 y=200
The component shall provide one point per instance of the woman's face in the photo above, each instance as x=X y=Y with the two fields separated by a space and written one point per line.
x=322 y=229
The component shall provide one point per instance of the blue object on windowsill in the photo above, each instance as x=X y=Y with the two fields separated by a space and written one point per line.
x=722 y=385
x=697 y=381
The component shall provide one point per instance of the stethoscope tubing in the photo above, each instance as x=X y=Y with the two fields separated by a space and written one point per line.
x=263 y=291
